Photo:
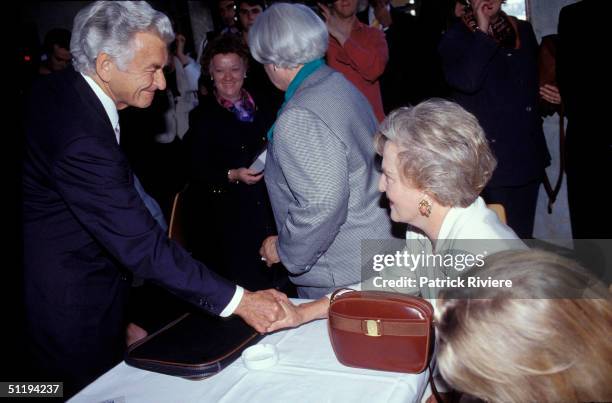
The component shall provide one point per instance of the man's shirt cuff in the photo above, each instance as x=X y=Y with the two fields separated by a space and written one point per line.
x=234 y=302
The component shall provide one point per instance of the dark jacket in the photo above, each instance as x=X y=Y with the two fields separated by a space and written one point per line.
x=414 y=70
x=583 y=71
x=500 y=87
x=228 y=221
x=85 y=229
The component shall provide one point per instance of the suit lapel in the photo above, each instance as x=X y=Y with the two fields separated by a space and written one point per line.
x=89 y=98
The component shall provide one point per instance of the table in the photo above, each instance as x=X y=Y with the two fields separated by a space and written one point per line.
x=307 y=371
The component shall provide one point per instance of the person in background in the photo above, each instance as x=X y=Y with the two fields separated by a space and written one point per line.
x=257 y=82
x=227 y=12
x=544 y=339
x=248 y=11
x=356 y=50
x=414 y=70
x=56 y=55
x=227 y=202
x=399 y=28
x=182 y=74
x=320 y=166
x=582 y=69
x=490 y=62
x=86 y=228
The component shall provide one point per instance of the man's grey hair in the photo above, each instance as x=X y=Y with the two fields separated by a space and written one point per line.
x=287 y=35
x=443 y=150
x=109 y=27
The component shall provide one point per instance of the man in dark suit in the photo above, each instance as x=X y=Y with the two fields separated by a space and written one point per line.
x=86 y=227
x=582 y=72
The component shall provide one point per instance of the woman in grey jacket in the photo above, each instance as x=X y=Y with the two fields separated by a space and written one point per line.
x=320 y=168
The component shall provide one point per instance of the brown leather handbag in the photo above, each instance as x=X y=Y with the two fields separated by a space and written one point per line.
x=381 y=330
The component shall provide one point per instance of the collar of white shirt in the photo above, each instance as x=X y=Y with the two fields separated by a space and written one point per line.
x=107 y=103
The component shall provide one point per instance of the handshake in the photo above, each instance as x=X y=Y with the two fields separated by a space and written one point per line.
x=268 y=310
x=271 y=310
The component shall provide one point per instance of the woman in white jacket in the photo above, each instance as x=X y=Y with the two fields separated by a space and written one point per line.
x=436 y=161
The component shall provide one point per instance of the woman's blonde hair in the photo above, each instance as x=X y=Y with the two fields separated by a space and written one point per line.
x=546 y=339
x=443 y=150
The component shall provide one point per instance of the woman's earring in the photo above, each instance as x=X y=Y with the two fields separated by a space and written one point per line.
x=425 y=207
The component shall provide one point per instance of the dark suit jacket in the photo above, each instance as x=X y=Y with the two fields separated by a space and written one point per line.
x=85 y=229
x=236 y=215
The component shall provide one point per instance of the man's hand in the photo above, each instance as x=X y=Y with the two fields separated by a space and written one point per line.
x=268 y=250
x=300 y=314
x=261 y=309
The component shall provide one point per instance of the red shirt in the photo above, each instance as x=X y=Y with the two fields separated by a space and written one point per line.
x=362 y=60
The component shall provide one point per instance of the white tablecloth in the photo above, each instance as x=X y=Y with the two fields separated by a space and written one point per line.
x=307 y=371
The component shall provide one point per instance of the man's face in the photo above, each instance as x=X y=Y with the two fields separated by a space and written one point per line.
x=345 y=8
x=227 y=11
x=135 y=85
x=59 y=59
x=247 y=15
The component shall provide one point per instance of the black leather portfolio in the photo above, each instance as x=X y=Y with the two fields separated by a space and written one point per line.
x=194 y=346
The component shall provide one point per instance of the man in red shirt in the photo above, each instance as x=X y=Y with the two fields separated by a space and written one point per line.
x=356 y=50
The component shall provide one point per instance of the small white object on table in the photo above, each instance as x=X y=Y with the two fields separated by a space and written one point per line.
x=307 y=371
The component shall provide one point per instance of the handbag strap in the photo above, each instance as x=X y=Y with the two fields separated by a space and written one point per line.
x=339 y=291
x=550 y=191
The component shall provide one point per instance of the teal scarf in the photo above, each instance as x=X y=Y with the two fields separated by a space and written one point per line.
x=304 y=72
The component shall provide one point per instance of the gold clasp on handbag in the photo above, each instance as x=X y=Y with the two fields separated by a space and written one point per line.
x=372 y=327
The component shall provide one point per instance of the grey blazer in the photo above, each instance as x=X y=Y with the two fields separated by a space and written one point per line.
x=322 y=180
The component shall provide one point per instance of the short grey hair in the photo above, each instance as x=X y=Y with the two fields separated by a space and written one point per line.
x=443 y=150
x=287 y=35
x=109 y=27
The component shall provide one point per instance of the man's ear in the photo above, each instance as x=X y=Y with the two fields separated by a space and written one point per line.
x=105 y=66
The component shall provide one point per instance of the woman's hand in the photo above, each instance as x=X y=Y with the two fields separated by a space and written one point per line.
x=300 y=314
x=268 y=251
x=293 y=317
x=245 y=175
x=485 y=12
x=550 y=93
